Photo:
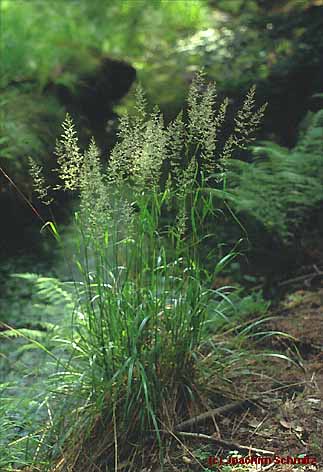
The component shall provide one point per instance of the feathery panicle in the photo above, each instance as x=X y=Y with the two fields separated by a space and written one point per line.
x=205 y=121
x=187 y=185
x=69 y=158
x=147 y=164
x=208 y=130
x=219 y=120
x=247 y=121
x=122 y=154
x=201 y=102
x=195 y=113
x=140 y=106
x=175 y=147
x=141 y=149
x=39 y=184
x=130 y=142
x=94 y=201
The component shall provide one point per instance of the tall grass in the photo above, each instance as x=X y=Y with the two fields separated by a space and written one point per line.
x=142 y=293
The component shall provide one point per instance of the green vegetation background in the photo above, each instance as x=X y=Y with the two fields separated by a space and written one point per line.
x=45 y=44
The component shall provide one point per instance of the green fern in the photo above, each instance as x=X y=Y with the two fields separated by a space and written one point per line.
x=280 y=186
x=49 y=289
x=30 y=334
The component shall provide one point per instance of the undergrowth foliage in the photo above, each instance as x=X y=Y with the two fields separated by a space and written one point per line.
x=141 y=297
x=287 y=183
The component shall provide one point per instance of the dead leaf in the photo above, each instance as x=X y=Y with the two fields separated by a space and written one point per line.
x=254 y=423
x=285 y=424
x=298 y=429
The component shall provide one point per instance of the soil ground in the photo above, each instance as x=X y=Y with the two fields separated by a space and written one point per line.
x=287 y=420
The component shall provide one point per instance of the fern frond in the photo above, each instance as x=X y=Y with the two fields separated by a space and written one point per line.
x=30 y=334
x=280 y=186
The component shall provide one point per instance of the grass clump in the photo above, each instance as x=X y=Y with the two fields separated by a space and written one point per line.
x=142 y=293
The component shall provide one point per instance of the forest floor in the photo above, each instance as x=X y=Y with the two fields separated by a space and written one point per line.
x=286 y=419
